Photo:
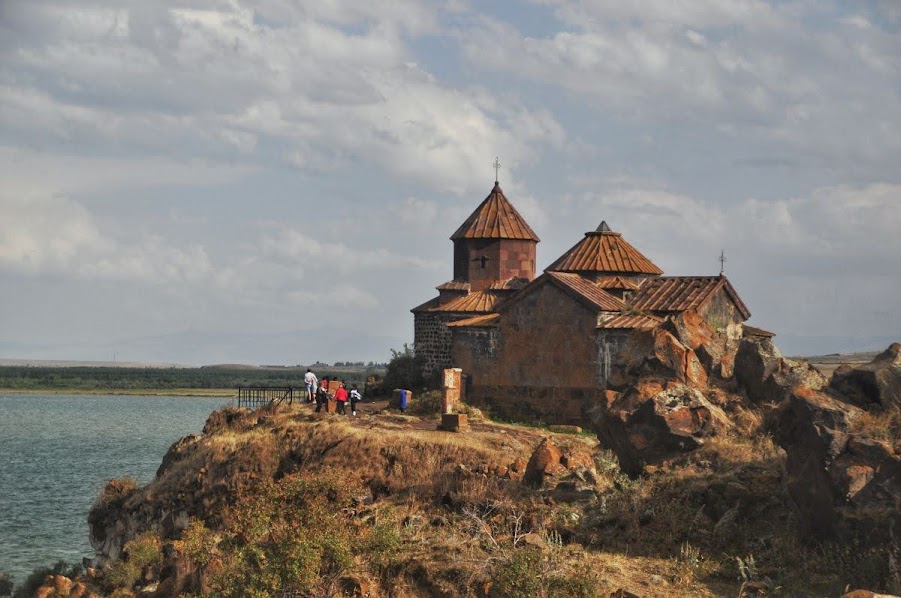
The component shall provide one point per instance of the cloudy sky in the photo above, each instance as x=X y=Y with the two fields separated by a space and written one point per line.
x=270 y=181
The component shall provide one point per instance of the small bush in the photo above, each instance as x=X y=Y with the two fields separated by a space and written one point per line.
x=520 y=575
x=142 y=553
x=427 y=403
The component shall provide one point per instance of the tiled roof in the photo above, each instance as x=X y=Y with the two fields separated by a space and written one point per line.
x=597 y=296
x=453 y=285
x=486 y=321
x=755 y=331
x=616 y=282
x=681 y=293
x=511 y=284
x=631 y=321
x=604 y=251
x=495 y=218
x=476 y=302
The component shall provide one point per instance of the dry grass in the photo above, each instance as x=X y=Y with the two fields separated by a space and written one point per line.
x=881 y=425
x=461 y=526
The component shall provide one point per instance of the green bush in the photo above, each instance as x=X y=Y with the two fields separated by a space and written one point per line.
x=291 y=535
x=405 y=370
x=143 y=552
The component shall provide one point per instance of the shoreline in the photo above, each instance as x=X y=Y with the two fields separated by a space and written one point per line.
x=212 y=393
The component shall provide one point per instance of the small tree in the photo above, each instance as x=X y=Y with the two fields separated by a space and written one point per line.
x=405 y=369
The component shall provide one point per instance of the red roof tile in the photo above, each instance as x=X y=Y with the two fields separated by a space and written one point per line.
x=597 y=296
x=495 y=218
x=453 y=285
x=681 y=293
x=617 y=283
x=476 y=302
x=486 y=321
x=631 y=322
x=604 y=251
x=511 y=284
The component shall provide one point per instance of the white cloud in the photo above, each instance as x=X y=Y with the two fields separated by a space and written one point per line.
x=796 y=74
x=59 y=237
x=315 y=84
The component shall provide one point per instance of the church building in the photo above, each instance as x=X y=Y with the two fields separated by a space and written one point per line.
x=541 y=348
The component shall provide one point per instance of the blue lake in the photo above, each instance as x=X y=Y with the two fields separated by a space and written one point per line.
x=57 y=452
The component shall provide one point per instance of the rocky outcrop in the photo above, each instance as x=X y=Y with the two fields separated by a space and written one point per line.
x=715 y=350
x=649 y=424
x=877 y=383
x=768 y=377
x=656 y=354
x=841 y=481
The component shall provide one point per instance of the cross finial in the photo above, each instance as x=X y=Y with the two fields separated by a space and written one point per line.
x=722 y=262
x=497 y=167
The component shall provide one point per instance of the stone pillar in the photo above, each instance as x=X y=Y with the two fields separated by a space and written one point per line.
x=453 y=380
x=453 y=386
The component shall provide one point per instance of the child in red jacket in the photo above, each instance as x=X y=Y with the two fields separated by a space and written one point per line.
x=341 y=398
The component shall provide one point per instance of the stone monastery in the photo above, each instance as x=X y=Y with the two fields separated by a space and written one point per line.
x=543 y=348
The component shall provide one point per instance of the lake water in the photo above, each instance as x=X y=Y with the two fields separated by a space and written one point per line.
x=57 y=452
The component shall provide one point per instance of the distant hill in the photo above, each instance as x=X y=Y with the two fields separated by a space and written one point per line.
x=57 y=363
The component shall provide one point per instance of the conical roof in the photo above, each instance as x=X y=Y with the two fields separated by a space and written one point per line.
x=604 y=251
x=495 y=218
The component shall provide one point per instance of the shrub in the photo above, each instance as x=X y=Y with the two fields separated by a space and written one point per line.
x=291 y=535
x=143 y=552
x=6 y=584
x=405 y=370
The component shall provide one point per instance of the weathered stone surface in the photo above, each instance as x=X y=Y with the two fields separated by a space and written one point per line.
x=545 y=462
x=653 y=354
x=766 y=376
x=877 y=383
x=644 y=429
x=841 y=482
x=454 y=422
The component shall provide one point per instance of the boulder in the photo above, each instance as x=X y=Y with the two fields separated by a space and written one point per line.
x=768 y=377
x=644 y=428
x=877 y=383
x=656 y=353
x=566 y=470
x=544 y=463
x=842 y=483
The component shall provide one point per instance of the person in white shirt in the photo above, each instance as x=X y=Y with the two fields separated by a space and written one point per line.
x=312 y=383
x=355 y=398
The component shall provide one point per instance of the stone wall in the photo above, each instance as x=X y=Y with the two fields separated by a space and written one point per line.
x=720 y=312
x=539 y=364
x=432 y=338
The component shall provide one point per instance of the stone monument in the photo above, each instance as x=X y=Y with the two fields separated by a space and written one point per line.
x=453 y=383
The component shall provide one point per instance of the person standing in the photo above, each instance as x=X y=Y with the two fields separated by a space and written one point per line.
x=312 y=384
x=355 y=398
x=341 y=398
x=322 y=395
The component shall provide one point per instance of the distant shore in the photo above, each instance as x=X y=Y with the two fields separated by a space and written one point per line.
x=154 y=392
